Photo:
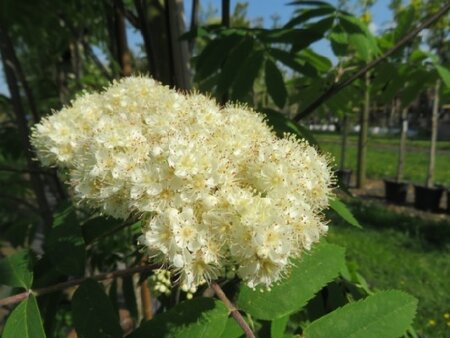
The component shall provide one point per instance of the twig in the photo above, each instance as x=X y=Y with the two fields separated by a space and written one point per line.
x=234 y=311
x=64 y=285
x=335 y=88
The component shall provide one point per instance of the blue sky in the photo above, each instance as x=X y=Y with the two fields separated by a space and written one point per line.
x=381 y=16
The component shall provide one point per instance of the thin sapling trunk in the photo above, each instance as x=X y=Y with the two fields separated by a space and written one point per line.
x=402 y=145
x=434 y=124
x=344 y=134
x=363 y=134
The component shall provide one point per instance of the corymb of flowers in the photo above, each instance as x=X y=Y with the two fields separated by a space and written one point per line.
x=219 y=194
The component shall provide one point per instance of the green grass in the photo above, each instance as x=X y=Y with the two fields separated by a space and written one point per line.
x=382 y=158
x=386 y=140
x=399 y=257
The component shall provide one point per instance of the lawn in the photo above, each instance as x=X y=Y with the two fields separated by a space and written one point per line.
x=382 y=157
x=383 y=139
x=398 y=251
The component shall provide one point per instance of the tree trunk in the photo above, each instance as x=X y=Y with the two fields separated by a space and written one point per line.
x=150 y=48
x=363 y=133
x=7 y=51
x=402 y=145
x=434 y=126
x=225 y=23
x=226 y=13
x=120 y=37
x=17 y=68
x=161 y=25
x=344 y=134
x=179 y=49
x=392 y=114
x=194 y=23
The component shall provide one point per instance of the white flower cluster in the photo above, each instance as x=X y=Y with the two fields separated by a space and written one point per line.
x=221 y=193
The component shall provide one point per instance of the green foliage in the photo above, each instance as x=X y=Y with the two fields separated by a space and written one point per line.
x=93 y=314
x=275 y=84
x=16 y=270
x=25 y=321
x=278 y=327
x=244 y=80
x=213 y=55
x=308 y=275
x=392 y=252
x=233 y=65
x=65 y=243
x=342 y=210
x=198 y=318
x=444 y=73
x=385 y=314
x=240 y=63
x=232 y=329
x=97 y=227
x=282 y=125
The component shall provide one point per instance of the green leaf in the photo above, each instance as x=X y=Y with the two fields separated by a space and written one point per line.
x=25 y=321
x=233 y=64
x=213 y=55
x=312 y=34
x=361 y=45
x=321 y=63
x=16 y=270
x=414 y=82
x=405 y=22
x=232 y=329
x=307 y=277
x=197 y=318
x=299 y=38
x=444 y=73
x=308 y=3
x=351 y=24
x=354 y=26
x=339 y=41
x=289 y=59
x=275 y=83
x=281 y=124
x=243 y=83
x=93 y=314
x=65 y=243
x=308 y=14
x=342 y=210
x=98 y=226
x=278 y=326
x=386 y=314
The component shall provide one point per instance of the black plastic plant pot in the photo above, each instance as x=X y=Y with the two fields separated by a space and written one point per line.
x=427 y=199
x=396 y=191
x=344 y=177
x=448 y=201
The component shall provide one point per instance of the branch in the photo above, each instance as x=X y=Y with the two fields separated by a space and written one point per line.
x=335 y=88
x=234 y=311
x=23 y=171
x=96 y=60
x=64 y=285
x=131 y=17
